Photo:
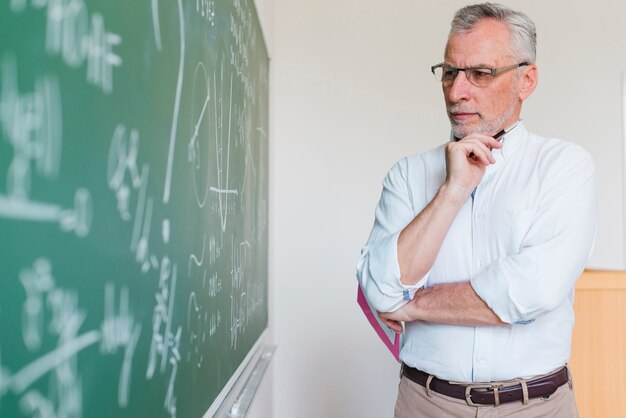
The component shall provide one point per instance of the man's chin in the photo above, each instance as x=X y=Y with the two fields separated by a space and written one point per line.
x=461 y=131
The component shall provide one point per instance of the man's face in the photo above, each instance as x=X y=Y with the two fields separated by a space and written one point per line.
x=482 y=109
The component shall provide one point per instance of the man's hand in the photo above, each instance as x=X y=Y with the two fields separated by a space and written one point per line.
x=394 y=319
x=467 y=160
x=394 y=325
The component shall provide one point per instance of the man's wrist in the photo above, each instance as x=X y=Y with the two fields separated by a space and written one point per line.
x=454 y=193
x=413 y=313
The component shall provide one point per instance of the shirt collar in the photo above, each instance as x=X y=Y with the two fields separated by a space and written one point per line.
x=511 y=141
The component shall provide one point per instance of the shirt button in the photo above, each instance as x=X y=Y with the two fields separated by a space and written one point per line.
x=480 y=216
x=480 y=263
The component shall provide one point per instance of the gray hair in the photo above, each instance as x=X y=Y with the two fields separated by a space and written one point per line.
x=522 y=29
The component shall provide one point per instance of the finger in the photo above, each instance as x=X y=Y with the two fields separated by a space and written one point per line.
x=494 y=143
x=483 y=156
x=391 y=323
x=488 y=141
x=473 y=142
x=479 y=152
x=394 y=325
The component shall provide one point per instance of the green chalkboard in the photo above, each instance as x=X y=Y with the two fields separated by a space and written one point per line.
x=133 y=204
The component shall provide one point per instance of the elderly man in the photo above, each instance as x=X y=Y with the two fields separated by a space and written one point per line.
x=477 y=244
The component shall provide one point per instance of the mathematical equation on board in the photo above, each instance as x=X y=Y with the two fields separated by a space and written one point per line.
x=34 y=134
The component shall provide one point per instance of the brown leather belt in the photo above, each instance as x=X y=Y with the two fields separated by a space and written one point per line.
x=490 y=393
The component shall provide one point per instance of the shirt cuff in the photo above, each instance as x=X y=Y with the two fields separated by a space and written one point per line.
x=379 y=275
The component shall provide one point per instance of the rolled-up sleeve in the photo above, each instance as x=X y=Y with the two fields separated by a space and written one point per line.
x=378 y=270
x=520 y=287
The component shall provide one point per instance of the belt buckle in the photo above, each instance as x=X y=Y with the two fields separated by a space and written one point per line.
x=468 y=390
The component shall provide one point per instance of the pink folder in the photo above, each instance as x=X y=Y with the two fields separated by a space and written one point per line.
x=385 y=333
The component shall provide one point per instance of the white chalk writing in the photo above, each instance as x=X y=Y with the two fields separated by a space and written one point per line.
x=125 y=181
x=179 y=86
x=206 y=9
x=119 y=330
x=122 y=170
x=79 y=38
x=32 y=124
x=165 y=343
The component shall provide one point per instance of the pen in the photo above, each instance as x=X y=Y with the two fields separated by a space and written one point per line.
x=498 y=136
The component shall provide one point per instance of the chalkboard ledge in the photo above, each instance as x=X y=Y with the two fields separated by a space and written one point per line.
x=236 y=398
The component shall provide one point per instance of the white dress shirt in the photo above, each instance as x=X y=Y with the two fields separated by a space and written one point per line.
x=522 y=242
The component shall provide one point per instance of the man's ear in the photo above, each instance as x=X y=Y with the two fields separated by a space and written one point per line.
x=529 y=80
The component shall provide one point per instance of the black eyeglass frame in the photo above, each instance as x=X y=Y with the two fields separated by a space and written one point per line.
x=493 y=71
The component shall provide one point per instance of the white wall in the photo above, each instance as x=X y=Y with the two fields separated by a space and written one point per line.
x=351 y=94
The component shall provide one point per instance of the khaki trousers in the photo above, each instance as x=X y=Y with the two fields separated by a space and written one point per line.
x=413 y=402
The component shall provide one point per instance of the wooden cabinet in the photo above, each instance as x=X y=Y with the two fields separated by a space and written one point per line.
x=598 y=360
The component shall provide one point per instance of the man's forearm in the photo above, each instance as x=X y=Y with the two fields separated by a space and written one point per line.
x=420 y=241
x=454 y=303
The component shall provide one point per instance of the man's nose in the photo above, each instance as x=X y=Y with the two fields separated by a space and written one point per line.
x=460 y=88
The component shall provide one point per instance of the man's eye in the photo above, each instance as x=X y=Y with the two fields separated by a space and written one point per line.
x=480 y=74
x=449 y=72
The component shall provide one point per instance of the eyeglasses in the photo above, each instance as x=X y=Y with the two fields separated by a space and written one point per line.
x=478 y=76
